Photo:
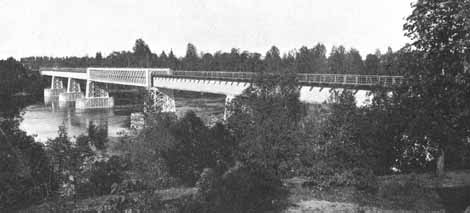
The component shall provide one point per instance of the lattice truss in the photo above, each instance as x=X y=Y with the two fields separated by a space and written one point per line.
x=96 y=89
x=161 y=100
x=73 y=86
x=57 y=83
x=134 y=76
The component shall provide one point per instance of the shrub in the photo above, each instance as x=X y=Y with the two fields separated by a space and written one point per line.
x=240 y=189
x=102 y=176
x=168 y=148
x=98 y=135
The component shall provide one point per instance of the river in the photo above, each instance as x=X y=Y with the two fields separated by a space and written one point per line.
x=42 y=120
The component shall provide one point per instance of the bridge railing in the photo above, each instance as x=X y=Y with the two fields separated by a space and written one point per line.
x=303 y=78
x=63 y=69
x=221 y=75
x=352 y=80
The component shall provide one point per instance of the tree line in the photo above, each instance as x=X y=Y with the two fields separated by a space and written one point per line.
x=304 y=60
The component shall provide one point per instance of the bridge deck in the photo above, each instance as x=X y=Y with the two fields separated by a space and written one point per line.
x=75 y=75
x=137 y=76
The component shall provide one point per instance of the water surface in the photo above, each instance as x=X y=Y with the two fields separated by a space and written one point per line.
x=43 y=119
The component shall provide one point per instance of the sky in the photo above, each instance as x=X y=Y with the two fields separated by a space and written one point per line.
x=84 y=27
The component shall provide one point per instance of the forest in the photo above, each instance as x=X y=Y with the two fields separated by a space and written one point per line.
x=241 y=164
x=304 y=60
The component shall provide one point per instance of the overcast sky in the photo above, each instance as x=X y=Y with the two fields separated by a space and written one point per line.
x=84 y=27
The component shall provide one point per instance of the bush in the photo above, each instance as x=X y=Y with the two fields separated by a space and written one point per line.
x=98 y=135
x=168 y=148
x=25 y=171
x=103 y=175
x=240 y=189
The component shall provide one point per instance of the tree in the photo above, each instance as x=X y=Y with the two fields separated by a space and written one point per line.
x=207 y=62
x=106 y=173
x=98 y=135
x=163 y=62
x=142 y=53
x=273 y=60
x=16 y=79
x=312 y=60
x=265 y=123
x=181 y=149
x=191 y=59
x=173 y=62
x=354 y=62
x=388 y=62
x=98 y=59
x=235 y=60
x=372 y=65
x=440 y=91
x=319 y=54
x=60 y=152
x=337 y=60
x=25 y=172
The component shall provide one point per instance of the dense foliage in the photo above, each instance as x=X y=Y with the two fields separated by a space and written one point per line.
x=304 y=60
x=18 y=87
x=438 y=94
x=180 y=148
x=25 y=174
x=265 y=123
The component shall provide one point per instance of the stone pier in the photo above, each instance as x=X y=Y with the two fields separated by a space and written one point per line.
x=96 y=97
x=73 y=92
x=57 y=87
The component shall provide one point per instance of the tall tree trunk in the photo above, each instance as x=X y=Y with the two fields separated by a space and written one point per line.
x=440 y=164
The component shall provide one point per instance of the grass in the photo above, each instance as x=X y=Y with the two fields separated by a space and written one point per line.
x=388 y=197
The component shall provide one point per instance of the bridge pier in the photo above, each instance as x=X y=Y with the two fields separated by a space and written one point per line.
x=73 y=92
x=57 y=87
x=96 y=97
x=162 y=100
x=228 y=109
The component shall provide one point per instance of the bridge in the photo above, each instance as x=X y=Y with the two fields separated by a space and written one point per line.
x=161 y=82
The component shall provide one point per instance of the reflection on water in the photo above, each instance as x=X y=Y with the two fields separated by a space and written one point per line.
x=43 y=120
